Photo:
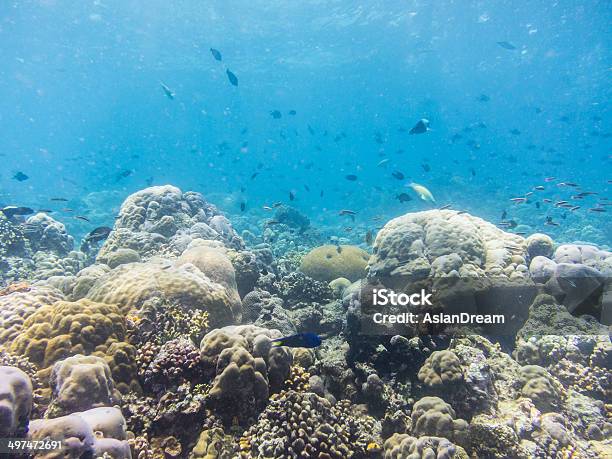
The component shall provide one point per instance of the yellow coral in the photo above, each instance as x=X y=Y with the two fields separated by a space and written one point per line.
x=330 y=262
x=66 y=328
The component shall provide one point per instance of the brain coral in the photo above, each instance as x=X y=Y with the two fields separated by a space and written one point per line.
x=330 y=262
x=247 y=367
x=149 y=219
x=65 y=328
x=404 y=446
x=17 y=306
x=418 y=244
x=433 y=416
x=304 y=425
x=441 y=367
x=79 y=383
x=130 y=285
x=15 y=401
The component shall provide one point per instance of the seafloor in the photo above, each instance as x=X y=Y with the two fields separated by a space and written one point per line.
x=157 y=343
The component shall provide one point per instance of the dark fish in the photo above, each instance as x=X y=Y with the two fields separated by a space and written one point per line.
x=504 y=215
x=426 y=167
x=167 y=91
x=292 y=112
x=421 y=127
x=291 y=196
x=404 y=197
x=47 y=211
x=20 y=177
x=597 y=209
x=149 y=181
x=350 y=213
x=98 y=234
x=80 y=217
x=368 y=237
x=351 y=177
x=276 y=114
x=538 y=205
x=483 y=98
x=539 y=188
x=11 y=211
x=59 y=199
x=473 y=172
x=506 y=45
x=398 y=175
x=447 y=206
x=515 y=132
x=233 y=79
x=339 y=249
x=242 y=206
x=306 y=339
x=216 y=54
x=311 y=130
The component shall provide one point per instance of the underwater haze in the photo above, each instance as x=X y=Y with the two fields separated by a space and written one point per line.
x=82 y=104
x=305 y=229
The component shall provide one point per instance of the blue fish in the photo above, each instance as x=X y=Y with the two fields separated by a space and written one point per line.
x=307 y=339
x=20 y=176
x=216 y=54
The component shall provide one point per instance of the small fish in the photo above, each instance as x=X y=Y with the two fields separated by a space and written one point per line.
x=537 y=204
x=267 y=208
x=368 y=237
x=276 y=114
x=597 y=209
x=242 y=206
x=291 y=196
x=404 y=197
x=277 y=204
x=421 y=127
x=59 y=199
x=350 y=213
x=67 y=209
x=81 y=217
x=351 y=177
x=515 y=132
x=426 y=167
x=382 y=162
x=292 y=112
x=307 y=339
x=46 y=211
x=12 y=211
x=339 y=249
x=447 y=206
x=422 y=191
x=574 y=208
x=504 y=215
x=546 y=200
x=20 y=177
x=539 y=188
x=570 y=184
x=518 y=200
x=98 y=234
x=233 y=79
x=550 y=179
x=483 y=98
x=254 y=174
x=506 y=45
x=216 y=54
x=473 y=172
x=272 y=222
x=587 y=193
x=123 y=174
x=167 y=91
x=398 y=175
x=560 y=203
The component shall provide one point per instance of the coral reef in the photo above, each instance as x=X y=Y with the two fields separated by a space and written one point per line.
x=129 y=286
x=330 y=262
x=302 y=424
x=247 y=368
x=161 y=346
x=15 y=401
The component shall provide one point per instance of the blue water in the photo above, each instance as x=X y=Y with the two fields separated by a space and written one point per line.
x=81 y=103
